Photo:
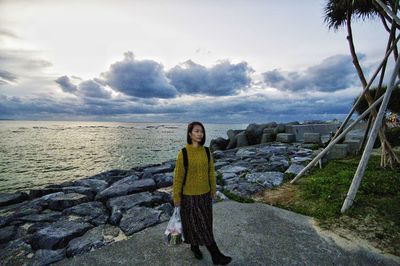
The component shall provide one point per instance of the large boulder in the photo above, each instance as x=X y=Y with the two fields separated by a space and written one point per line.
x=244 y=189
x=93 y=212
x=89 y=192
x=120 y=205
x=338 y=151
x=127 y=186
x=242 y=140
x=285 y=137
x=219 y=144
x=139 y=218
x=40 y=192
x=254 y=133
x=92 y=239
x=294 y=169
x=58 y=234
x=46 y=257
x=313 y=138
x=95 y=184
x=12 y=198
x=64 y=201
x=164 y=179
x=49 y=216
x=7 y=233
x=15 y=253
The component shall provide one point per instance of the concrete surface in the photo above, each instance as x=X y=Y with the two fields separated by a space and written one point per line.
x=253 y=234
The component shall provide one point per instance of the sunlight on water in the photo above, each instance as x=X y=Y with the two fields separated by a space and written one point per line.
x=38 y=153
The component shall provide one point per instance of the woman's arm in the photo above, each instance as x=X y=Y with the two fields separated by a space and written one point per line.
x=178 y=179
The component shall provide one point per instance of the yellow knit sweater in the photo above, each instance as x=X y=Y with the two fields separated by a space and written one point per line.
x=197 y=177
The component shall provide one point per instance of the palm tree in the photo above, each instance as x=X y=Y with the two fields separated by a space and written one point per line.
x=339 y=13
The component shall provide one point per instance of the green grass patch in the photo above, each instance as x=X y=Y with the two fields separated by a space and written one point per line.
x=322 y=192
x=237 y=198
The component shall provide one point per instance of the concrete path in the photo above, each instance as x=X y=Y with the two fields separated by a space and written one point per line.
x=253 y=234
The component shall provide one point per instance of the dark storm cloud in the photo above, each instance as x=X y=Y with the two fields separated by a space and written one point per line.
x=139 y=78
x=66 y=85
x=93 y=89
x=333 y=74
x=220 y=80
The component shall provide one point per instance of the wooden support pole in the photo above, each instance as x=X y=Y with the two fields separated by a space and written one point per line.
x=366 y=88
x=367 y=151
x=333 y=142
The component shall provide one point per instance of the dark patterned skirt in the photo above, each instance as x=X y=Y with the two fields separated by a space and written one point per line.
x=197 y=219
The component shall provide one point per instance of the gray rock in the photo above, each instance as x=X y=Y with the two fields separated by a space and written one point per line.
x=220 y=164
x=40 y=192
x=12 y=198
x=233 y=133
x=300 y=160
x=43 y=217
x=233 y=180
x=218 y=144
x=267 y=137
x=120 y=205
x=227 y=175
x=233 y=169
x=267 y=179
x=164 y=179
x=285 y=137
x=127 y=186
x=294 y=169
x=232 y=143
x=166 y=211
x=15 y=252
x=89 y=192
x=92 y=239
x=280 y=128
x=312 y=138
x=139 y=218
x=93 y=212
x=218 y=154
x=164 y=168
x=37 y=226
x=254 y=133
x=62 y=202
x=113 y=176
x=95 y=184
x=338 y=151
x=58 y=234
x=244 y=189
x=353 y=146
x=7 y=233
x=241 y=140
x=46 y=257
x=245 y=153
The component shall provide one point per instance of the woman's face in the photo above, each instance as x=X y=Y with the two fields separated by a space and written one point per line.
x=197 y=134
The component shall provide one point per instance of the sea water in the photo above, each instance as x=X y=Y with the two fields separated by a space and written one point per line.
x=38 y=153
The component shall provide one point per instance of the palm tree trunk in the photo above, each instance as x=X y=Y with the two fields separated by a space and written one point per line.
x=388 y=156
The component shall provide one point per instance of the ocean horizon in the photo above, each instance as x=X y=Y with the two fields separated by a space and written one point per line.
x=38 y=153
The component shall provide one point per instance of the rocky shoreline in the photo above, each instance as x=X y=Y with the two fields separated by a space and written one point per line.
x=65 y=220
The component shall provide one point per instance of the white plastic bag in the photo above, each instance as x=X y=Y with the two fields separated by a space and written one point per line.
x=174 y=233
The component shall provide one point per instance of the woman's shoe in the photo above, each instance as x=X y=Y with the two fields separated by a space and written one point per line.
x=217 y=257
x=196 y=251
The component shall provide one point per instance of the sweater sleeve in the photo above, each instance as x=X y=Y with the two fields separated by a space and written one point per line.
x=179 y=174
x=212 y=177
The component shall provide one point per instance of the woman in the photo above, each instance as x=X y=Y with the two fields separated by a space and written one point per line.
x=195 y=192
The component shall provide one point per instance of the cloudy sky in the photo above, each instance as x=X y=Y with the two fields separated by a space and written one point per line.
x=225 y=61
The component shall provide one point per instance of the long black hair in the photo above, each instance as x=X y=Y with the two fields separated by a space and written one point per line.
x=189 y=130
